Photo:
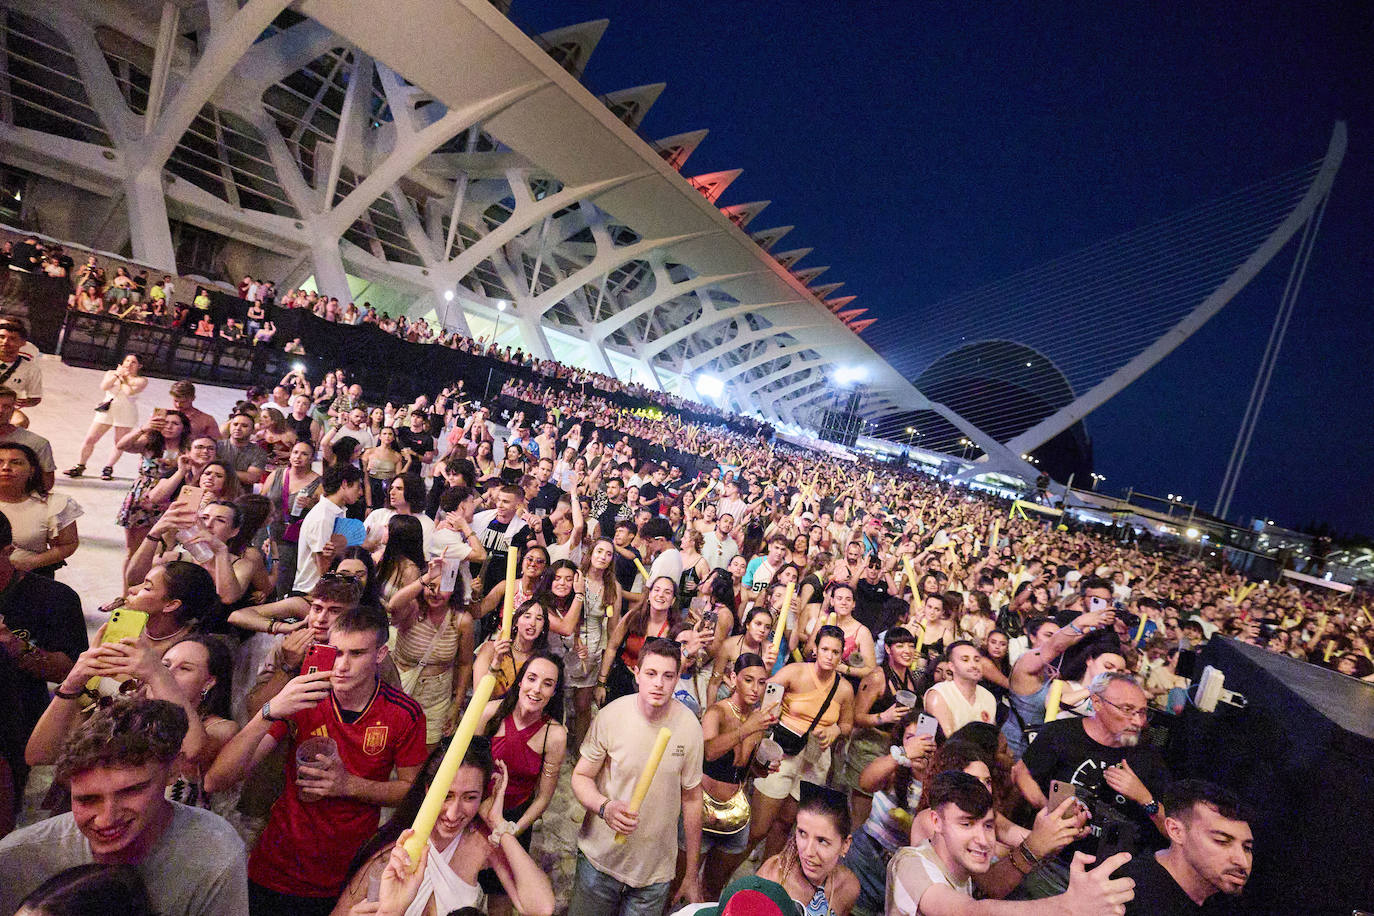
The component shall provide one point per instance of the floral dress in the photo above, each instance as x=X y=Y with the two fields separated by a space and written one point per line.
x=133 y=512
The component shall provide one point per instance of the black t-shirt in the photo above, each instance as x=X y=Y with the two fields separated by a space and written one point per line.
x=650 y=492
x=870 y=605
x=613 y=513
x=625 y=570
x=546 y=499
x=1063 y=751
x=1158 y=894
x=300 y=427
x=419 y=443
x=48 y=614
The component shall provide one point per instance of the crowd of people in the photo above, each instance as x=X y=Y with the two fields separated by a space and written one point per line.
x=130 y=294
x=881 y=693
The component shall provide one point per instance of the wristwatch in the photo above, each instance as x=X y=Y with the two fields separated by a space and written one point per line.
x=267 y=713
x=1151 y=808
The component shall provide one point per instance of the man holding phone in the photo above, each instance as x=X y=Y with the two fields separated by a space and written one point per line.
x=333 y=803
x=343 y=486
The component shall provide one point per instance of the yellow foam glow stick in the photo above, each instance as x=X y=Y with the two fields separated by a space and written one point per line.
x=1365 y=611
x=831 y=618
x=508 y=605
x=702 y=495
x=797 y=656
x=642 y=571
x=646 y=776
x=1140 y=630
x=993 y=539
x=448 y=768
x=1052 y=700
x=782 y=617
x=870 y=478
x=910 y=574
x=1330 y=649
x=920 y=641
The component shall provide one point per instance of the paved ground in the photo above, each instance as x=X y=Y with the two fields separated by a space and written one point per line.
x=94 y=571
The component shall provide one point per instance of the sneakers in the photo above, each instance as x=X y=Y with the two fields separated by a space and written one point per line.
x=107 y=473
x=76 y=471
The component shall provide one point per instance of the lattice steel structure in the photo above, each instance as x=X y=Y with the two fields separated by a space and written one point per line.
x=433 y=158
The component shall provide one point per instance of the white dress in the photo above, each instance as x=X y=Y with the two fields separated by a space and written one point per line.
x=123 y=410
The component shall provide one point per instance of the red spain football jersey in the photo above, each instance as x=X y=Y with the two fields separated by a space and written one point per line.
x=307 y=845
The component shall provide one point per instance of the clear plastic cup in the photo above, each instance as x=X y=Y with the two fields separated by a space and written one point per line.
x=769 y=752
x=905 y=698
x=312 y=747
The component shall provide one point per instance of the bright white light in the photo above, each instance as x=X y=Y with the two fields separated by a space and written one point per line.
x=501 y=305
x=708 y=386
x=848 y=375
x=1192 y=534
x=448 y=295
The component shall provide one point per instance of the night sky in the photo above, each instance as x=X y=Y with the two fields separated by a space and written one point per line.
x=924 y=150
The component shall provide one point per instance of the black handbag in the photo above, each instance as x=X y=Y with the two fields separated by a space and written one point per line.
x=792 y=743
x=104 y=405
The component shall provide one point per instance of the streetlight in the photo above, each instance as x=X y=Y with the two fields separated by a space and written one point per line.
x=500 y=310
x=1097 y=478
x=965 y=443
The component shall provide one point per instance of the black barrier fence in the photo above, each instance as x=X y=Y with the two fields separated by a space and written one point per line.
x=99 y=341
x=388 y=368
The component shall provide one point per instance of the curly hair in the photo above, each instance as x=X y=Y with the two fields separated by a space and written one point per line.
x=129 y=732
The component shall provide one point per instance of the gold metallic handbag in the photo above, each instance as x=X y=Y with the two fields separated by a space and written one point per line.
x=724 y=818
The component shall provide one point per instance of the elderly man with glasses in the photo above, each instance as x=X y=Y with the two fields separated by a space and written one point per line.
x=1117 y=777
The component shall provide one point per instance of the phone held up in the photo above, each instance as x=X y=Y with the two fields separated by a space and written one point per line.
x=319 y=657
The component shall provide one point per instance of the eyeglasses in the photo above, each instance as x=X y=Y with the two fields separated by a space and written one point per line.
x=1129 y=712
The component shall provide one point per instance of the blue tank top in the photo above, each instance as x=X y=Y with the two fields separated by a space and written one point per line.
x=1027 y=711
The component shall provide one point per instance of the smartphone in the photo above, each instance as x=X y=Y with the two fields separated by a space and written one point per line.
x=772 y=697
x=319 y=657
x=1058 y=792
x=124 y=624
x=191 y=496
x=927 y=725
x=159 y=413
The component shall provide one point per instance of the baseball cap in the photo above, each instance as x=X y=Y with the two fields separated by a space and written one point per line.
x=809 y=516
x=753 y=896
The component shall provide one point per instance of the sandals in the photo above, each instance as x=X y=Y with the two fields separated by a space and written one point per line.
x=107 y=473
x=76 y=471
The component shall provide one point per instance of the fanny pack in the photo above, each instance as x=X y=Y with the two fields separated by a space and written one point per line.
x=792 y=743
x=725 y=818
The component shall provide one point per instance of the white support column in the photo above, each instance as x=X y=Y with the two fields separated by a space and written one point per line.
x=533 y=335
x=150 y=236
x=607 y=261
x=330 y=277
x=162 y=62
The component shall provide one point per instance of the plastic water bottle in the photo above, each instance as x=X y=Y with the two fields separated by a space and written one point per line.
x=199 y=550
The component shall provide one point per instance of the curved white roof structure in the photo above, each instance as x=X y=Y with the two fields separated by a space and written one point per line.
x=432 y=157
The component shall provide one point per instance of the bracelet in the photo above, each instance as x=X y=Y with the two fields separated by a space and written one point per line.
x=601 y=812
x=61 y=694
x=152 y=537
x=1031 y=858
x=272 y=627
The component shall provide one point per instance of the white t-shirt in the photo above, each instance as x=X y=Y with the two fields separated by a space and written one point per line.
x=27 y=378
x=378 y=519
x=668 y=563
x=316 y=529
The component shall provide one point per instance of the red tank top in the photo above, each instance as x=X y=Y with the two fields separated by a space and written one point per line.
x=523 y=765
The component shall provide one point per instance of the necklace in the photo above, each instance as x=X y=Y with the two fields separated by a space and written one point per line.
x=731 y=706
x=178 y=631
